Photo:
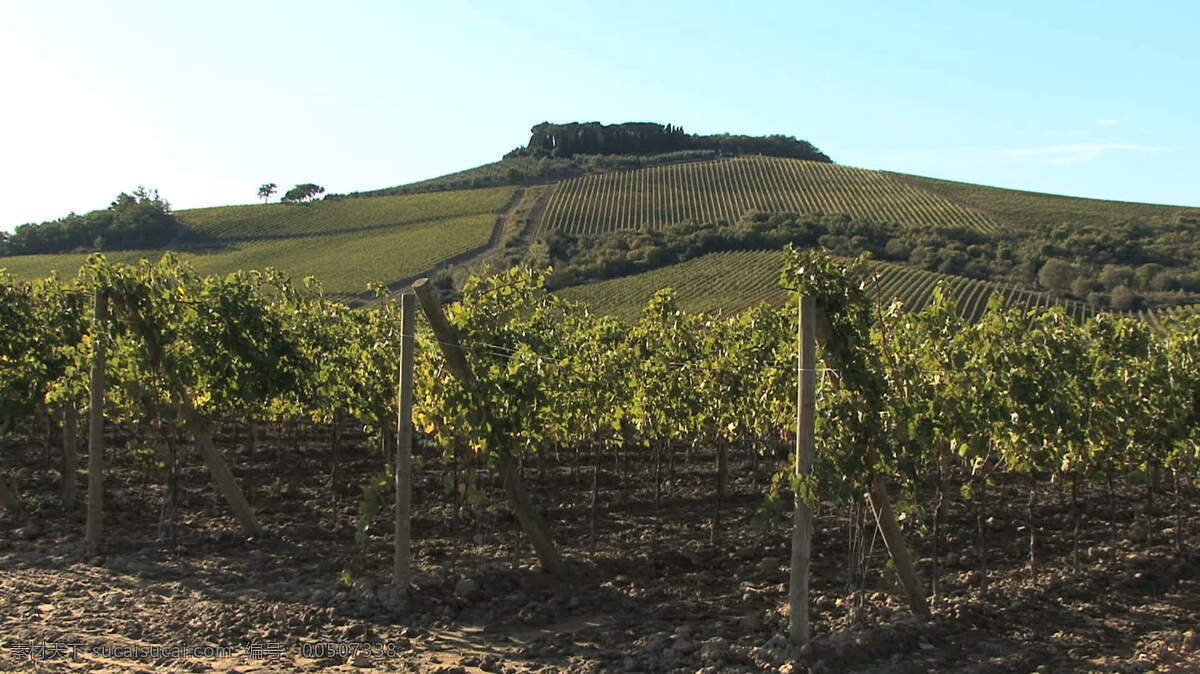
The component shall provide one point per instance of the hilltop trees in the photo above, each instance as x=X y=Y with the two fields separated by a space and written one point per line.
x=642 y=138
x=139 y=220
x=302 y=192
x=266 y=190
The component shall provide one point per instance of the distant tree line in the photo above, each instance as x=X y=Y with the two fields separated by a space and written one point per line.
x=644 y=138
x=1133 y=268
x=138 y=220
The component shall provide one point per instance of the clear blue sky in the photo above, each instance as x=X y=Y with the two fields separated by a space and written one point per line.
x=205 y=101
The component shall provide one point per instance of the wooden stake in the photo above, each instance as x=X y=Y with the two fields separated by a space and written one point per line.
x=514 y=486
x=94 y=533
x=222 y=476
x=889 y=527
x=402 y=574
x=881 y=507
x=802 y=528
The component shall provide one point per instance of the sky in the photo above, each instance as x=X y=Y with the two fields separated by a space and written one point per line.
x=206 y=101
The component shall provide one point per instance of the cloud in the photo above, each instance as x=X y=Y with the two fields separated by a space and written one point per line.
x=1078 y=152
x=1107 y=122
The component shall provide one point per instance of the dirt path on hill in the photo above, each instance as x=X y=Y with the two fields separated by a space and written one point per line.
x=519 y=219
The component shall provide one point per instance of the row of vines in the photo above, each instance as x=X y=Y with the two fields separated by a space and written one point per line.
x=725 y=190
x=735 y=280
x=924 y=400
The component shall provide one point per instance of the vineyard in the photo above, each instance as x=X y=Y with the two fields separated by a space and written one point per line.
x=345 y=244
x=733 y=281
x=648 y=464
x=1035 y=208
x=322 y=218
x=727 y=189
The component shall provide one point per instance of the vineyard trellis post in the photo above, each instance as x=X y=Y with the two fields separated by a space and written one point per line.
x=94 y=532
x=881 y=505
x=402 y=575
x=219 y=469
x=802 y=527
x=510 y=476
x=893 y=538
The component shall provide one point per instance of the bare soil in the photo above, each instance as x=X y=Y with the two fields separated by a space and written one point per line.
x=648 y=593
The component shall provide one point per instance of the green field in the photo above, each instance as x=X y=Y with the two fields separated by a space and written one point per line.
x=736 y=280
x=345 y=244
x=1036 y=208
x=727 y=189
x=240 y=223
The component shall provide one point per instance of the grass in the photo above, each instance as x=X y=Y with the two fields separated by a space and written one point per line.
x=1037 y=209
x=344 y=244
x=727 y=189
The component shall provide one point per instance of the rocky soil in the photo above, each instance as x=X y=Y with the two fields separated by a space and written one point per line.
x=647 y=593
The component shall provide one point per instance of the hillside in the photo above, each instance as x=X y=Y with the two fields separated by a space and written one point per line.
x=726 y=189
x=730 y=282
x=345 y=244
x=598 y=216
x=1036 y=208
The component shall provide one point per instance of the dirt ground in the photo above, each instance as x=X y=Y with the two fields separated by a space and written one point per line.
x=647 y=594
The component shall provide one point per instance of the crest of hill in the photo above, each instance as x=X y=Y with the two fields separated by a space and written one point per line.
x=648 y=138
x=563 y=151
x=1034 y=208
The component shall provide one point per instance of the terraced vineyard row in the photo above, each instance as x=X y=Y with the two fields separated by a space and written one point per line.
x=1035 y=208
x=736 y=280
x=727 y=189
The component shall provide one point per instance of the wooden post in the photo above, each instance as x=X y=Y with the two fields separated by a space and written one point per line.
x=881 y=507
x=802 y=527
x=719 y=497
x=70 y=458
x=94 y=533
x=893 y=538
x=222 y=476
x=402 y=574
x=514 y=486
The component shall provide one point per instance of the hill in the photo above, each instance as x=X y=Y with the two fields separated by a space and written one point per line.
x=1036 y=208
x=733 y=281
x=345 y=244
x=649 y=138
x=727 y=189
x=658 y=197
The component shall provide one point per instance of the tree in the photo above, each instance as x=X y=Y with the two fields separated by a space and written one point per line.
x=1123 y=298
x=303 y=192
x=1057 y=275
x=1145 y=273
x=1113 y=276
x=266 y=190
